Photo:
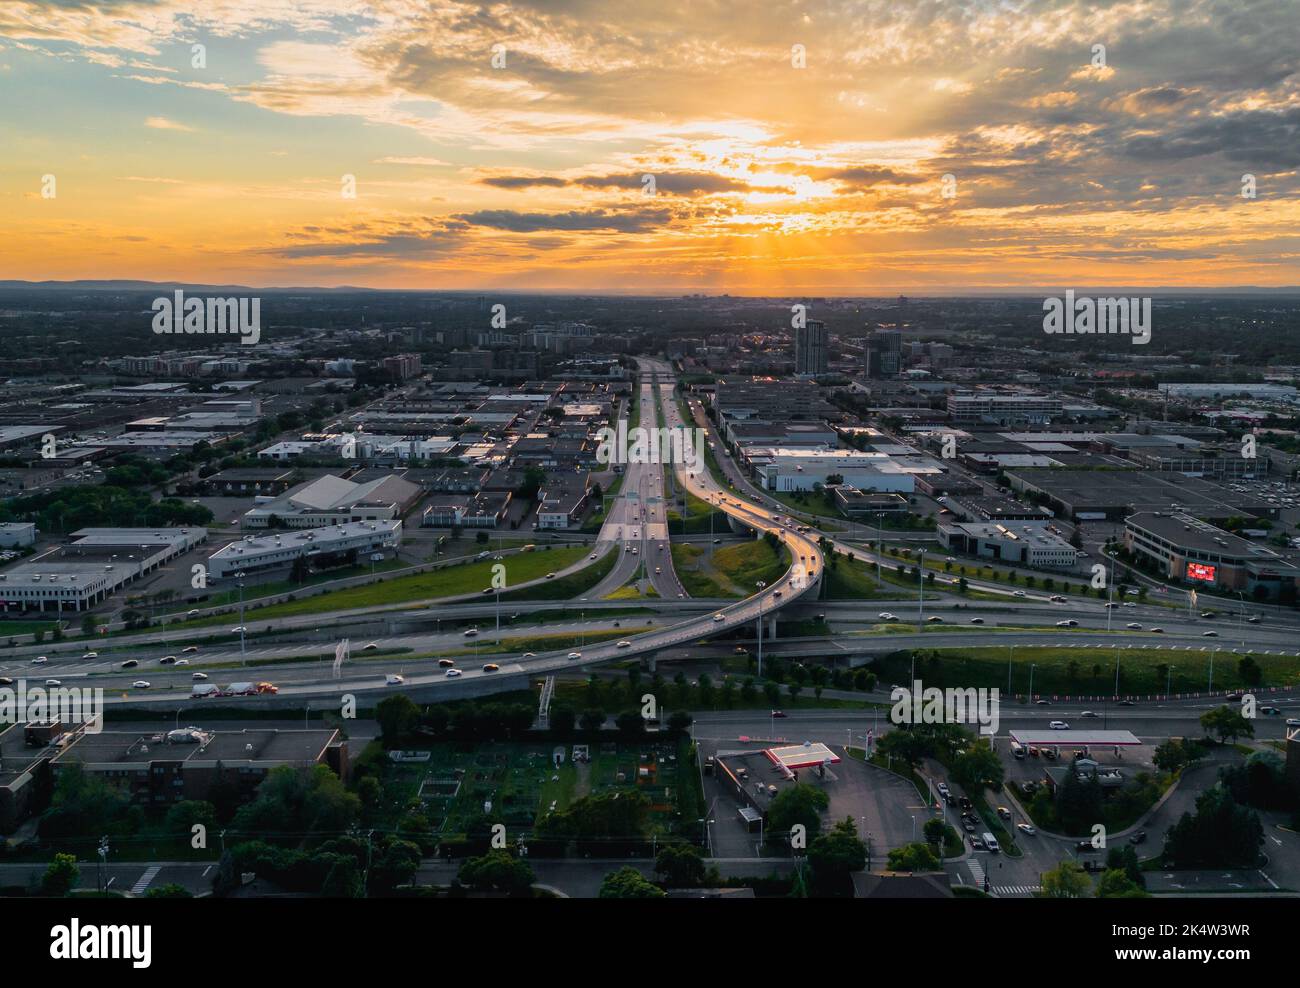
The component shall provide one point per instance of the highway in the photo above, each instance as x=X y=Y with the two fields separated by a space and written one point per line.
x=686 y=623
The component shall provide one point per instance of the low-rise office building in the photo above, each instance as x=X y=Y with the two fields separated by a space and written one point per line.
x=273 y=550
x=1020 y=543
x=1181 y=547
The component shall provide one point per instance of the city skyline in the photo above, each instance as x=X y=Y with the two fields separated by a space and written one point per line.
x=920 y=148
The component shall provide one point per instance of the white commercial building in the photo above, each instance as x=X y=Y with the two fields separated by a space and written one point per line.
x=254 y=554
x=331 y=500
x=784 y=469
x=1027 y=543
x=17 y=534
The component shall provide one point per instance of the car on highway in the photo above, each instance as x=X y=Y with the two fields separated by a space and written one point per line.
x=658 y=569
x=190 y=648
x=624 y=644
x=575 y=655
x=592 y=556
x=1018 y=593
x=529 y=655
x=934 y=619
x=1042 y=703
x=1059 y=725
x=718 y=617
x=1084 y=847
x=1272 y=711
x=392 y=679
x=887 y=616
x=1156 y=631
x=1253 y=619
x=470 y=632
x=1089 y=713
x=370 y=647
x=40 y=660
x=452 y=673
x=1133 y=626
x=776 y=593
x=1056 y=598
x=140 y=684
x=1027 y=829
x=199 y=676
x=446 y=663
x=1207 y=614
x=1125 y=703
x=129 y=664
x=6 y=681
x=167 y=660
x=242 y=629
x=1293 y=722
x=91 y=655
x=943 y=789
x=1138 y=838
x=778 y=713
x=1004 y=813
x=53 y=682
x=976 y=620
x=550 y=576
x=1066 y=624
x=1129 y=603
x=491 y=667
x=1209 y=634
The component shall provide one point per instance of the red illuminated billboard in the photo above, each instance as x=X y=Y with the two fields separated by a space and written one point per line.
x=1199 y=571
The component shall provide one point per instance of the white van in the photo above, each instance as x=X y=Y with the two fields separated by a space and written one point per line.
x=991 y=843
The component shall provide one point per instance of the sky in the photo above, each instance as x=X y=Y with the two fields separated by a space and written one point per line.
x=756 y=148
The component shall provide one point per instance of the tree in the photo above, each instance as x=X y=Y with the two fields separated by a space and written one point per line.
x=835 y=854
x=800 y=804
x=913 y=857
x=680 y=866
x=1249 y=671
x=60 y=877
x=169 y=891
x=628 y=883
x=1227 y=723
x=1115 y=884
x=1221 y=834
x=562 y=720
x=398 y=718
x=978 y=767
x=934 y=830
x=1066 y=881
x=592 y=720
x=498 y=870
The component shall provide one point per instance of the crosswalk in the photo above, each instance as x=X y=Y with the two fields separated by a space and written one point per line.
x=977 y=872
x=143 y=881
x=1014 y=891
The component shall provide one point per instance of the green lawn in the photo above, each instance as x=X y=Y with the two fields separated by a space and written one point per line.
x=856 y=580
x=1085 y=671
x=450 y=581
x=566 y=587
x=732 y=571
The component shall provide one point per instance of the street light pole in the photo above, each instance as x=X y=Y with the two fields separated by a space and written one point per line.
x=240 y=577
x=920 y=582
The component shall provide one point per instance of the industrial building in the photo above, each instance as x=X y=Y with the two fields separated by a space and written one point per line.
x=331 y=500
x=1022 y=543
x=273 y=550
